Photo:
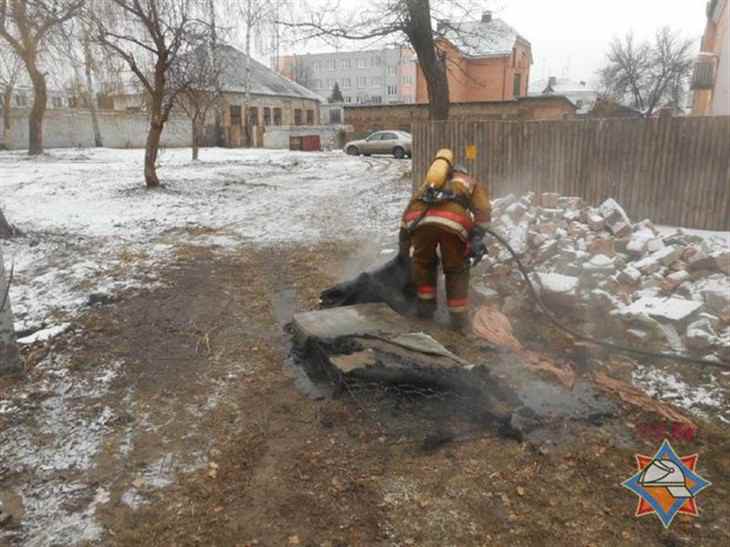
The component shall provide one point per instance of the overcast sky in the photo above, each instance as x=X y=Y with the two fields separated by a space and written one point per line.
x=570 y=37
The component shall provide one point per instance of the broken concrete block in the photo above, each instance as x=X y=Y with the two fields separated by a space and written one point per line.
x=638 y=244
x=716 y=297
x=655 y=261
x=698 y=261
x=722 y=261
x=629 y=276
x=672 y=309
x=611 y=208
x=619 y=228
x=577 y=230
x=558 y=289
x=570 y=202
x=604 y=247
x=484 y=294
x=638 y=337
x=547 y=250
x=535 y=239
x=600 y=264
x=654 y=245
x=547 y=229
x=571 y=215
x=674 y=280
x=672 y=337
x=700 y=335
x=596 y=222
x=516 y=211
x=549 y=200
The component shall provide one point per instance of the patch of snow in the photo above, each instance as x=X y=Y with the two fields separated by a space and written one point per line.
x=674 y=309
x=44 y=334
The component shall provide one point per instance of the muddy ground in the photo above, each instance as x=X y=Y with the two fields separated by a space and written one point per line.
x=201 y=436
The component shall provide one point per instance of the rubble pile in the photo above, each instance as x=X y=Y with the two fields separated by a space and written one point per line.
x=625 y=281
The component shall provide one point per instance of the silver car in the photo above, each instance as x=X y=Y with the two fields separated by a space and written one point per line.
x=397 y=143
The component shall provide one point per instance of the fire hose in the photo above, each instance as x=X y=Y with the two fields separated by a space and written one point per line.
x=585 y=338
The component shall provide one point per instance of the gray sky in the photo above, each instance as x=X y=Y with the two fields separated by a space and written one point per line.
x=571 y=37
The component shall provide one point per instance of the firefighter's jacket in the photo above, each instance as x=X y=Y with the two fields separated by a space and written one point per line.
x=468 y=208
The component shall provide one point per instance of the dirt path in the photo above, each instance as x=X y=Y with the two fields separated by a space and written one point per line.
x=176 y=423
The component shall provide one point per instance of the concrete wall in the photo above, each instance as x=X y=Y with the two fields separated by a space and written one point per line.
x=331 y=136
x=73 y=128
x=365 y=119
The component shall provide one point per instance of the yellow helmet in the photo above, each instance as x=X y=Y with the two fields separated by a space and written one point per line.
x=440 y=168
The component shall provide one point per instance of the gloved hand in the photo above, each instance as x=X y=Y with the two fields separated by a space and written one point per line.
x=477 y=248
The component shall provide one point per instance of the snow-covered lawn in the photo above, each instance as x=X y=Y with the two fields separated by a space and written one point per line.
x=92 y=228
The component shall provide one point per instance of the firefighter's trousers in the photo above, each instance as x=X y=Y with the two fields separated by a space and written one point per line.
x=425 y=240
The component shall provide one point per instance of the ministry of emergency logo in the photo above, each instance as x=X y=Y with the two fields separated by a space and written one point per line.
x=666 y=484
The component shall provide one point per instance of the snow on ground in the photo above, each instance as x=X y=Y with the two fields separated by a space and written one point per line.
x=92 y=228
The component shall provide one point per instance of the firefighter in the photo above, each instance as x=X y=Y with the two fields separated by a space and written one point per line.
x=449 y=212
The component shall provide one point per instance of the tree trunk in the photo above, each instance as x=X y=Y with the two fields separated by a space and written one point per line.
x=40 y=98
x=9 y=356
x=98 y=142
x=7 y=120
x=420 y=34
x=6 y=230
x=151 y=150
x=196 y=138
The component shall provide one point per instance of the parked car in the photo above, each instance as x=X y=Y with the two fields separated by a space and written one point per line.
x=397 y=143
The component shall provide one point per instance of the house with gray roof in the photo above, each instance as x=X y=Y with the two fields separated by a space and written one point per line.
x=487 y=60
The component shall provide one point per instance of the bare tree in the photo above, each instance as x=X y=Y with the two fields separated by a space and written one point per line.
x=72 y=42
x=647 y=75
x=9 y=356
x=160 y=31
x=417 y=22
x=199 y=78
x=26 y=25
x=11 y=72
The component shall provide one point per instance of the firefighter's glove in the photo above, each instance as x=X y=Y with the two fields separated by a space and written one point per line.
x=477 y=247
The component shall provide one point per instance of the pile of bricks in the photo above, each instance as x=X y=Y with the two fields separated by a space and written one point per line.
x=630 y=282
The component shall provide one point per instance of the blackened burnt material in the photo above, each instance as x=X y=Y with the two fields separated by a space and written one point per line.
x=389 y=284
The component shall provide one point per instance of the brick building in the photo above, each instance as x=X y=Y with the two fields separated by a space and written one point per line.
x=368 y=118
x=711 y=81
x=487 y=60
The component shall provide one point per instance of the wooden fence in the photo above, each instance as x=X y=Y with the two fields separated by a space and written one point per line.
x=675 y=171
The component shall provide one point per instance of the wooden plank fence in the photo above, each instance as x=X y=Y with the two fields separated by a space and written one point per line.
x=675 y=171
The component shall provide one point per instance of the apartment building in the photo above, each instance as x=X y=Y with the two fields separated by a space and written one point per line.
x=378 y=76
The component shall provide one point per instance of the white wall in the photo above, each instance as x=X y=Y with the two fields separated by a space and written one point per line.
x=73 y=128
x=278 y=136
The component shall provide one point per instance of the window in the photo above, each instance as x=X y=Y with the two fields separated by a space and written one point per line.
x=362 y=81
x=407 y=80
x=330 y=83
x=253 y=116
x=348 y=99
x=267 y=116
x=235 y=114
x=277 y=116
x=376 y=60
x=21 y=100
x=317 y=66
x=346 y=83
x=73 y=102
x=57 y=102
x=517 y=87
x=375 y=137
x=389 y=137
x=331 y=65
x=346 y=64
x=391 y=69
x=377 y=99
x=335 y=116
x=392 y=90
x=310 y=117
x=362 y=63
x=317 y=84
x=297 y=116
x=376 y=81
